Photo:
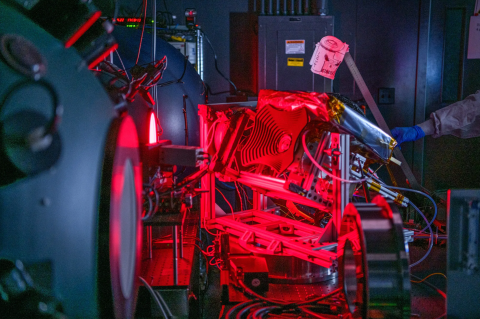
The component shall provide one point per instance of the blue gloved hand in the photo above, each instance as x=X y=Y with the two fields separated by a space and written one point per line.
x=407 y=134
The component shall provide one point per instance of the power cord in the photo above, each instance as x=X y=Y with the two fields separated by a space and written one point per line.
x=159 y=301
x=216 y=66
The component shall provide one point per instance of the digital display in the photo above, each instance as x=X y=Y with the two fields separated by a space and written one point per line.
x=125 y=20
x=131 y=21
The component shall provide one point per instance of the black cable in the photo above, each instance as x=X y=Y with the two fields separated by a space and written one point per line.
x=205 y=91
x=136 y=11
x=253 y=293
x=216 y=63
x=315 y=300
x=150 y=208
x=209 y=90
x=154 y=210
x=244 y=197
x=158 y=300
x=174 y=81
x=139 y=65
x=184 y=168
x=113 y=70
x=186 y=183
x=283 y=304
x=258 y=314
x=224 y=186
x=311 y=313
x=185 y=97
x=246 y=194
x=247 y=309
x=239 y=306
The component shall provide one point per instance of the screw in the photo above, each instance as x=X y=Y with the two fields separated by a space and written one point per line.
x=42 y=307
x=45 y=201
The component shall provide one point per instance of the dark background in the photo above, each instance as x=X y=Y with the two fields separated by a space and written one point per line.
x=417 y=47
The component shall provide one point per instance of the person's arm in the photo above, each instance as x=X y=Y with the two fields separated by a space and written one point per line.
x=453 y=117
x=461 y=119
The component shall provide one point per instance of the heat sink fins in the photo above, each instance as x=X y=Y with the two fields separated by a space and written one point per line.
x=273 y=138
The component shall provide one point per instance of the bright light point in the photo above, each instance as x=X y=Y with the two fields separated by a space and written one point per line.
x=152 y=129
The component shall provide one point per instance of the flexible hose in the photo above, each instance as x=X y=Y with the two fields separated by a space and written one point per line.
x=320 y=167
x=260 y=313
x=429 y=224
x=158 y=300
x=431 y=237
x=247 y=309
x=253 y=293
x=239 y=306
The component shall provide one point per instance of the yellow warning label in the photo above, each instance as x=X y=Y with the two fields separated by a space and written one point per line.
x=295 y=61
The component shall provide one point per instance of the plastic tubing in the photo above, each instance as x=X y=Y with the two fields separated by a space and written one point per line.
x=232 y=310
x=320 y=167
x=247 y=309
x=158 y=300
x=431 y=237
x=260 y=313
x=429 y=224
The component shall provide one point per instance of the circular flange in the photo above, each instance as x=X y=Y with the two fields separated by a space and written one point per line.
x=22 y=56
x=373 y=263
x=16 y=154
x=120 y=226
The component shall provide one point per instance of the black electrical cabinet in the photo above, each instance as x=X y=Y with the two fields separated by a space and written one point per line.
x=285 y=46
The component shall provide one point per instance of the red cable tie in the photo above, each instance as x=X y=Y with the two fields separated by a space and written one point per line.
x=90 y=21
x=103 y=56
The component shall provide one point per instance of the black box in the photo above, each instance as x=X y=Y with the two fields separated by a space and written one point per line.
x=255 y=272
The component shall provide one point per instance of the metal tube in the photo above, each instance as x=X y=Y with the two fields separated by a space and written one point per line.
x=285 y=7
x=300 y=9
x=323 y=10
x=175 y=255
x=270 y=7
x=292 y=7
x=277 y=12
x=262 y=8
x=199 y=59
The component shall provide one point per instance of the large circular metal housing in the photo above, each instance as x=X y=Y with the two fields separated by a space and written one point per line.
x=76 y=223
x=373 y=263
